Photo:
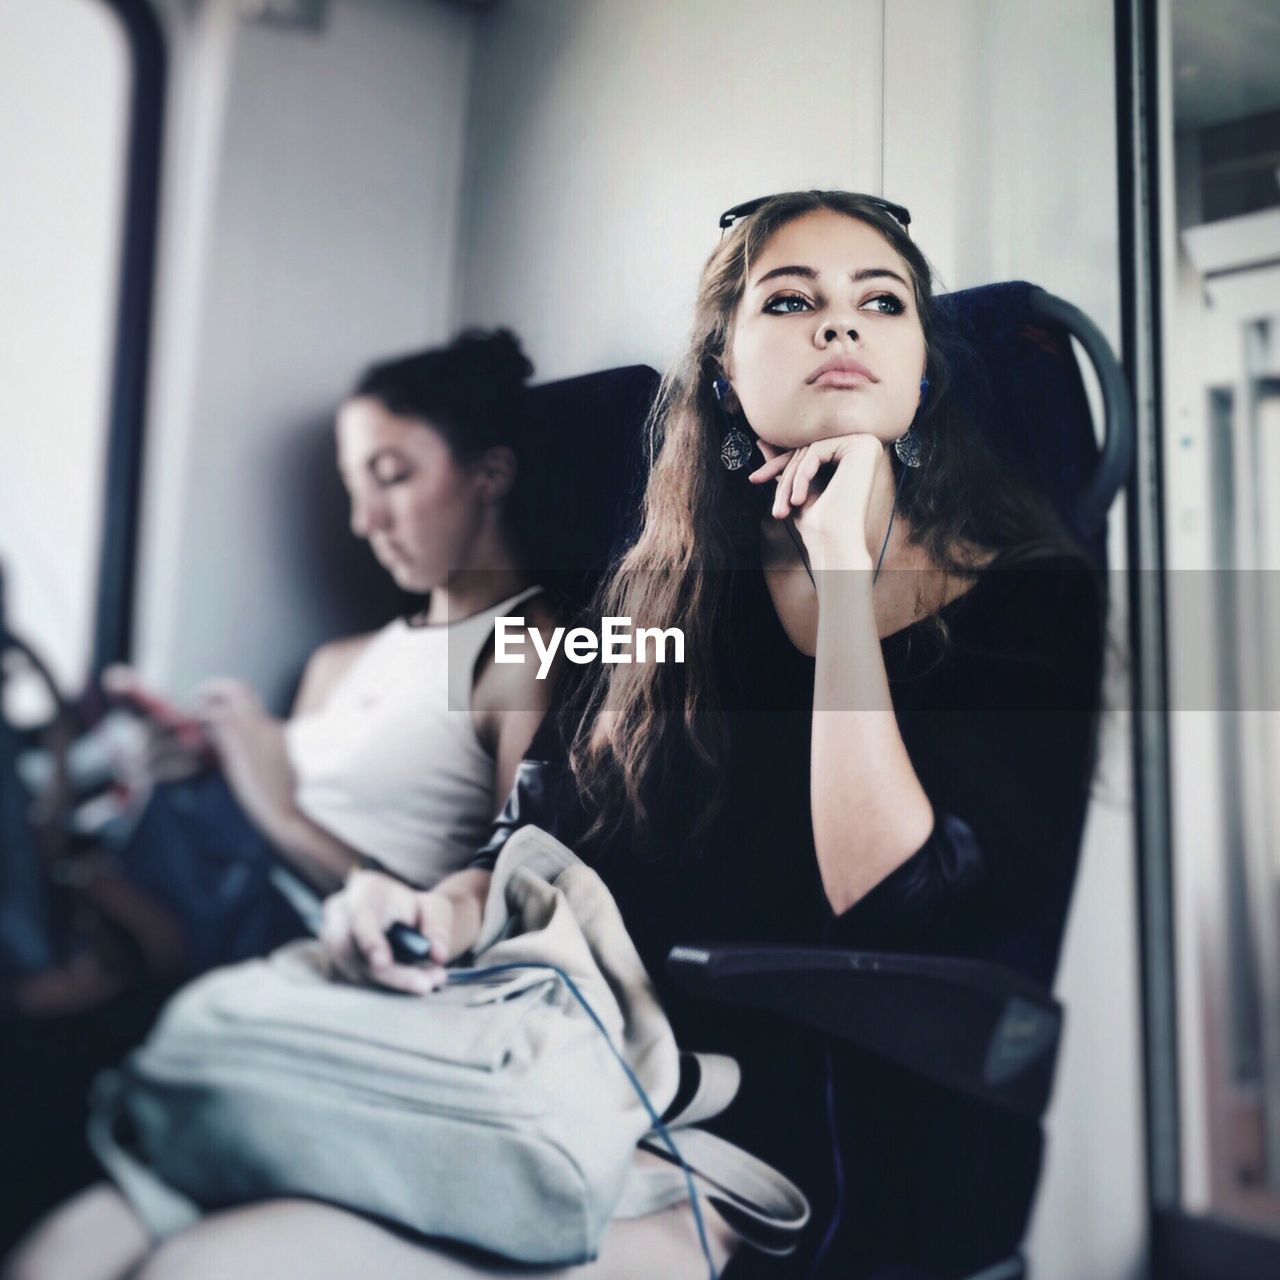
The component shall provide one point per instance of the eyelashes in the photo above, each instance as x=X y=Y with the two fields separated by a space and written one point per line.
x=378 y=475
x=387 y=470
x=778 y=305
x=896 y=305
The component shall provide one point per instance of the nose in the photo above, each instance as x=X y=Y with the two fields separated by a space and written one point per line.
x=833 y=329
x=368 y=513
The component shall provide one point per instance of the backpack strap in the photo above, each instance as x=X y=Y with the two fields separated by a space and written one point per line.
x=163 y=1210
x=764 y=1206
x=708 y=1083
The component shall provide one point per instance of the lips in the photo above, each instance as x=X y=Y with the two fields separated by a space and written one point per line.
x=841 y=373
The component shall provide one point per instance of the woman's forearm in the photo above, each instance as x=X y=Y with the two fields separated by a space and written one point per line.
x=870 y=813
x=467 y=891
x=324 y=859
x=254 y=756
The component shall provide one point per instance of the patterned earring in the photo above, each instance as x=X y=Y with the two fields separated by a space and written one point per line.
x=907 y=446
x=736 y=446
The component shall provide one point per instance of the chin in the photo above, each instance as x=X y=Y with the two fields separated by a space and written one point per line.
x=828 y=422
x=835 y=427
x=413 y=581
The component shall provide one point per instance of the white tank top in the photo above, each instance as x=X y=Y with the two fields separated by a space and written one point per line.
x=391 y=763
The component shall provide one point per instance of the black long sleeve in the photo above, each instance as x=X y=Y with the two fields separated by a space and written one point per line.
x=1002 y=736
x=1006 y=755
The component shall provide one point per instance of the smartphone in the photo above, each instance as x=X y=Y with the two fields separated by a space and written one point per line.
x=188 y=731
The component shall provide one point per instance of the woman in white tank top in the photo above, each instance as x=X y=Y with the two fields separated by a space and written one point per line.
x=403 y=744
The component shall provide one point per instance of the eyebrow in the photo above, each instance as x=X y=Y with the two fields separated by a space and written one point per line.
x=808 y=273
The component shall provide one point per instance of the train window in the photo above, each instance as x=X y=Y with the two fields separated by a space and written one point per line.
x=63 y=160
x=1220 y=353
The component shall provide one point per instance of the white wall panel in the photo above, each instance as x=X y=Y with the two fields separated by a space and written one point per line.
x=312 y=201
x=608 y=136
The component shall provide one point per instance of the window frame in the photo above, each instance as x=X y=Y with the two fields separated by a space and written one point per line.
x=1183 y=1245
x=126 y=413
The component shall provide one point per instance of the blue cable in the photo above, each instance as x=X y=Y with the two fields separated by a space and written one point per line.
x=833 y=1226
x=460 y=976
x=789 y=525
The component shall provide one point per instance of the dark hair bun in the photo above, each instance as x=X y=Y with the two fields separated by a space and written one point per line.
x=472 y=391
x=494 y=355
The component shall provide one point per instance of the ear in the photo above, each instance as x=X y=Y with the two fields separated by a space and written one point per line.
x=495 y=472
x=731 y=403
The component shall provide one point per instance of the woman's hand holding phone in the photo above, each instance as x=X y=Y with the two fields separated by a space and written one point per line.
x=356 y=921
x=176 y=745
x=252 y=752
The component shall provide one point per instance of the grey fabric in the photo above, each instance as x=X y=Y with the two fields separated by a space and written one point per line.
x=492 y=1112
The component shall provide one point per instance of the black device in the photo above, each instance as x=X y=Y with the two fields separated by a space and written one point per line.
x=408 y=946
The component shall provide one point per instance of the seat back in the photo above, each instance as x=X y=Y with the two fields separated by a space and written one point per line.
x=1016 y=376
x=584 y=475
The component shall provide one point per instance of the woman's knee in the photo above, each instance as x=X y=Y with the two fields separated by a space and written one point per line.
x=285 y=1238
x=278 y=1238
x=231 y=1243
x=94 y=1236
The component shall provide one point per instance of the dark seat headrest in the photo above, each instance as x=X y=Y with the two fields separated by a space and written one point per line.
x=584 y=474
x=1017 y=378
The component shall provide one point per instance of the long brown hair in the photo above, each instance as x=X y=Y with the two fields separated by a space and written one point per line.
x=627 y=724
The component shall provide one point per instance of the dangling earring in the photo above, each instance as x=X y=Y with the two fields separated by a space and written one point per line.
x=736 y=446
x=907 y=446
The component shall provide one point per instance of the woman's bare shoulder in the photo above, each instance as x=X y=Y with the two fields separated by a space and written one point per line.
x=505 y=687
x=325 y=668
x=540 y=612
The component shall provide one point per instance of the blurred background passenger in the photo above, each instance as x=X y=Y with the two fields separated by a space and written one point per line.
x=402 y=743
x=399 y=748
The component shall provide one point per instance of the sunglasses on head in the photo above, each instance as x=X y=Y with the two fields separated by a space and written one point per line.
x=896 y=211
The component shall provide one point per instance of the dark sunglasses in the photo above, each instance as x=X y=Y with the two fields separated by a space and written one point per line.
x=896 y=211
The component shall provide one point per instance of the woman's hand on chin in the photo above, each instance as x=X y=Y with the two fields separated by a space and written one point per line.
x=831 y=519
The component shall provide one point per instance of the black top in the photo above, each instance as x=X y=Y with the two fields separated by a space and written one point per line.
x=1000 y=727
